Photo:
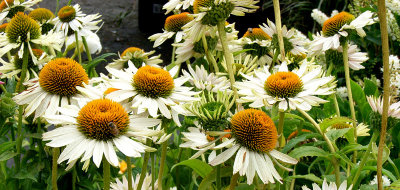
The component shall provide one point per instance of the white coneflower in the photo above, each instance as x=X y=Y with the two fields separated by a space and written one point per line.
x=385 y=179
x=202 y=80
x=257 y=41
x=297 y=89
x=342 y=92
x=135 y=56
x=177 y=5
x=92 y=39
x=319 y=16
x=123 y=185
x=331 y=186
x=9 y=8
x=377 y=106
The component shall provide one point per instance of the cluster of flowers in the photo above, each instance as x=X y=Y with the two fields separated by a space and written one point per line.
x=137 y=101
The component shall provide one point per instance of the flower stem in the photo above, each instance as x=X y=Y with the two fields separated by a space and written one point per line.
x=336 y=104
x=144 y=166
x=153 y=169
x=209 y=56
x=39 y=142
x=280 y=129
x=234 y=180
x=386 y=84
x=20 y=88
x=129 y=168
x=57 y=6
x=69 y=2
x=278 y=24
x=89 y=56
x=364 y=158
x=218 y=176
x=330 y=145
x=77 y=47
x=56 y=153
x=164 y=147
x=3 y=88
x=228 y=55
x=106 y=174
x=74 y=176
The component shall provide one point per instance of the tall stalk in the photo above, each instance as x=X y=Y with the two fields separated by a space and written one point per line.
x=209 y=56
x=348 y=85
x=77 y=47
x=144 y=166
x=386 y=84
x=106 y=174
x=280 y=129
x=129 y=168
x=54 y=167
x=278 y=24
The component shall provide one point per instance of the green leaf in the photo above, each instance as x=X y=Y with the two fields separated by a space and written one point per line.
x=310 y=177
x=293 y=142
x=331 y=121
x=303 y=151
x=395 y=185
x=7 y=155
x=200 y=167
x=334 y=134
x=206 y=182
x=96 y=61
x=358 y=93
x=385 y=153
x=370 y=87
x=352 y=148
x=7 y=145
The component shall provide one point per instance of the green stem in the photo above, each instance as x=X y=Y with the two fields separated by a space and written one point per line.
x=74 y=176
x=348 y=85
x=330 y=145
x=69 y=2
x=164 y=147
x=278 y=24
x=129 y=168
x=106 y=174
x=173 y=55
x=89 y=56
x=228 y=56
x=364 y=158
x=144 y=166
x=56 y=154
x=209 y=56
x=153 y=169
x=77 y=47
x=3 y=88
x=57 y=6
x=280 y=129
x=39 y=131
x=386 y=85
x=234 y=180
x=218 y=177
x=336 y=104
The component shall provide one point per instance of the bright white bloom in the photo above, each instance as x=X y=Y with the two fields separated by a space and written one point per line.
x=386 y=181
x=254 y=138
x=342 y=92
x=10 y=6
x=57 y=82
x=336 y=27
x=319 y=16
x=153 y=90
x=331 y=186
x=355 y=57
x=118 y=185
x=92 y=39
x=297 y=45
x=93 y=127
x=135 y=56
x=297 y=89
x=177 y=5
x=393 y=5
x=377 y=106
x=204 y=81
x=71 y=17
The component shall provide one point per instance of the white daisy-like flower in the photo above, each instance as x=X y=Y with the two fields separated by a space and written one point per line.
x=336 y=26
x=92 y=39
x=23 y=30
x=71 y=17
x=342 y=92
x=189 y=48
x=355 y=57
x=319 y=16
x=202 y=80
x=172 y=27
x=8 y=8
x=258 y=41
x=362 y=129
x=208 y=13
x=91 y=129
x=292 y=44
x=177 y=5
x=331 y=186
x=57 y=82
x=123 y=185
x=386 y=181
x=14 y=67
x=377 y=106
x=135 y=56
x=153 y=90
x=297 y=89
x=254 y=138
x=245 y=64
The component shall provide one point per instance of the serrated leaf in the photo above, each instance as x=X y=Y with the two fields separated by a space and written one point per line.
x=5 y=146
x=206 y=182
x=310 y=177
x=334 y=134
x=330 y=121
x=198 y=166
x=7 y=155
x=303 y=151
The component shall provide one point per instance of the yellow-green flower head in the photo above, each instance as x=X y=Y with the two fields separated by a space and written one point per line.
x=174 y=23
x=215 y=13
x=41 y=15
x=333 y=25
x=255 y=130
x=67 y=14
x=20 y=27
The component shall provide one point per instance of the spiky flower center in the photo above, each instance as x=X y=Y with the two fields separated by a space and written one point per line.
x=41 y=14
x=211 y=44
x=20 y=26
x=212 y=119
x=67 y=14
x=61 y=76
x=153 y=82
x=255 y=130
x=256 y=34
x=31 y=65
x=215 y=12
x=333 y=25
x=174 y=23
x=283 y=84
x=286 y=43
x=103 y=119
